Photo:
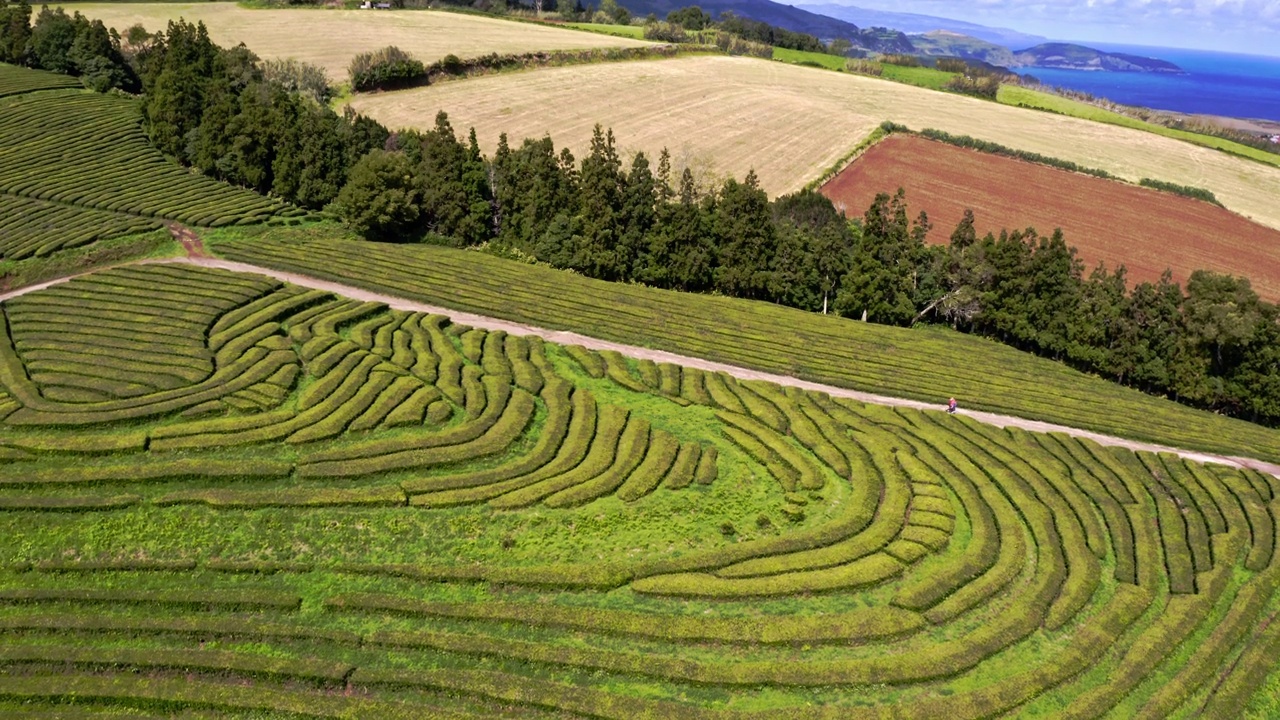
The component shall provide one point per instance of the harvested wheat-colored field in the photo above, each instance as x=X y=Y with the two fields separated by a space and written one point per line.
x=790 y=123
x=330 y=38
x=1108 y=221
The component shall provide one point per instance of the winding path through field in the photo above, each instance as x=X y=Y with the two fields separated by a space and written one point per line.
x=197 y=257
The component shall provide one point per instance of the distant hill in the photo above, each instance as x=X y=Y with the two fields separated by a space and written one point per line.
x=913 y=23
x=783 y=16
x=944 y=43
x=1078 y=57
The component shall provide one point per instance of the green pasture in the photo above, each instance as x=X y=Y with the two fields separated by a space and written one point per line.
x=1027 y=97
x=635 y=32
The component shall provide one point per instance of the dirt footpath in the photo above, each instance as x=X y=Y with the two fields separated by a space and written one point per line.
x=197 y=256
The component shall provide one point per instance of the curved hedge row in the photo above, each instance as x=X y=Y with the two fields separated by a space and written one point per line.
x=76 y=167
x=334 y=509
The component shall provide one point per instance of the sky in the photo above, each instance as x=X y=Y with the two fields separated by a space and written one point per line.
x=1242 y=26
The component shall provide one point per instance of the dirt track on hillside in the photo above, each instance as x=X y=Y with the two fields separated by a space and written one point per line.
x=570 y=338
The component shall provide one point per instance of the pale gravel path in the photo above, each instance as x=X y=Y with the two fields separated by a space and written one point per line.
x=570 y=338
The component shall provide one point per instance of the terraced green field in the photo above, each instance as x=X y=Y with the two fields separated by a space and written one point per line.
x=75 y=167
x=16 y=81
x=228 y=497
x=927 y=364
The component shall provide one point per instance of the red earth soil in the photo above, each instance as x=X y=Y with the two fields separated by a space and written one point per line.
x=1106 y=220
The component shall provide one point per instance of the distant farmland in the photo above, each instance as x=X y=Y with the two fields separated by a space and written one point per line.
x=332 y=37
x=791 y=123
x=1107 y=221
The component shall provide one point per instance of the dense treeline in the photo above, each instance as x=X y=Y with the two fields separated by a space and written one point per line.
x=214 y=109
x=1214 y=345
x=67 y=44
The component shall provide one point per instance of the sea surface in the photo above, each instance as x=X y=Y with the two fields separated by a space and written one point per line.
x=1216 y=83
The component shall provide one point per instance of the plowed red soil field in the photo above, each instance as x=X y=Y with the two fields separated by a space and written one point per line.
x=1105 y=220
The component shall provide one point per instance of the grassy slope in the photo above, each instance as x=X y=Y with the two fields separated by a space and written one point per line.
x=791 y=123
x=1027 y=97
x=113 y=640
x=928 y=364
x=634 y=32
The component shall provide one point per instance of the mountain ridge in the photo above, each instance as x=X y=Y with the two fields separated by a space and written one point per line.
x=1070 y=56
x=916 y=23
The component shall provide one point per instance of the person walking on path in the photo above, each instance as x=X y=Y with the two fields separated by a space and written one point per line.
x=951 y=406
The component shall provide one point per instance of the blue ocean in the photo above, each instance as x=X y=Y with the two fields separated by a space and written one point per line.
x=1216 y=83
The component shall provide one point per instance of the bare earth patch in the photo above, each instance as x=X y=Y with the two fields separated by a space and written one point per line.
x=330 y=38
x=790 y=123
x=1107 y=221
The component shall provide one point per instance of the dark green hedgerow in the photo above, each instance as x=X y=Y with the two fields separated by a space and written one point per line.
x=130 y=691
x=344 y=408
x=590 y=361
x=412 y=410
x=66 y=503
x=473 y=344
x=693 y=389
x=1153 y=646
x=524 y=373
x=863 y=572
x=559 y=410
x=633 y=444
x=219 y=661
x=708 y=466
x=864 y=624
x=599 y=458
x=567 y=455
x=788 y=465
x=92 y=623
x=757 y=406
x=493 y=434
x=869 y=528
x=663 y=448
x=196 y=599
x=685 y=466
x=761 y=336
x=669 y=379
x=399 y=391
x=803 y=428
x=1118 y=528
x=1207 y=660
x=716 y=385
x=473 y=391
x=985 y=146
x=155 y=470
x=1195 y=193
x=1242 y=681
x=375 y=496
x=366 y=332
x=493 y=359
x=1186 y=476
x=618 y=370
x=1082 y=568
x=251 y=368
x=1262 y=530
